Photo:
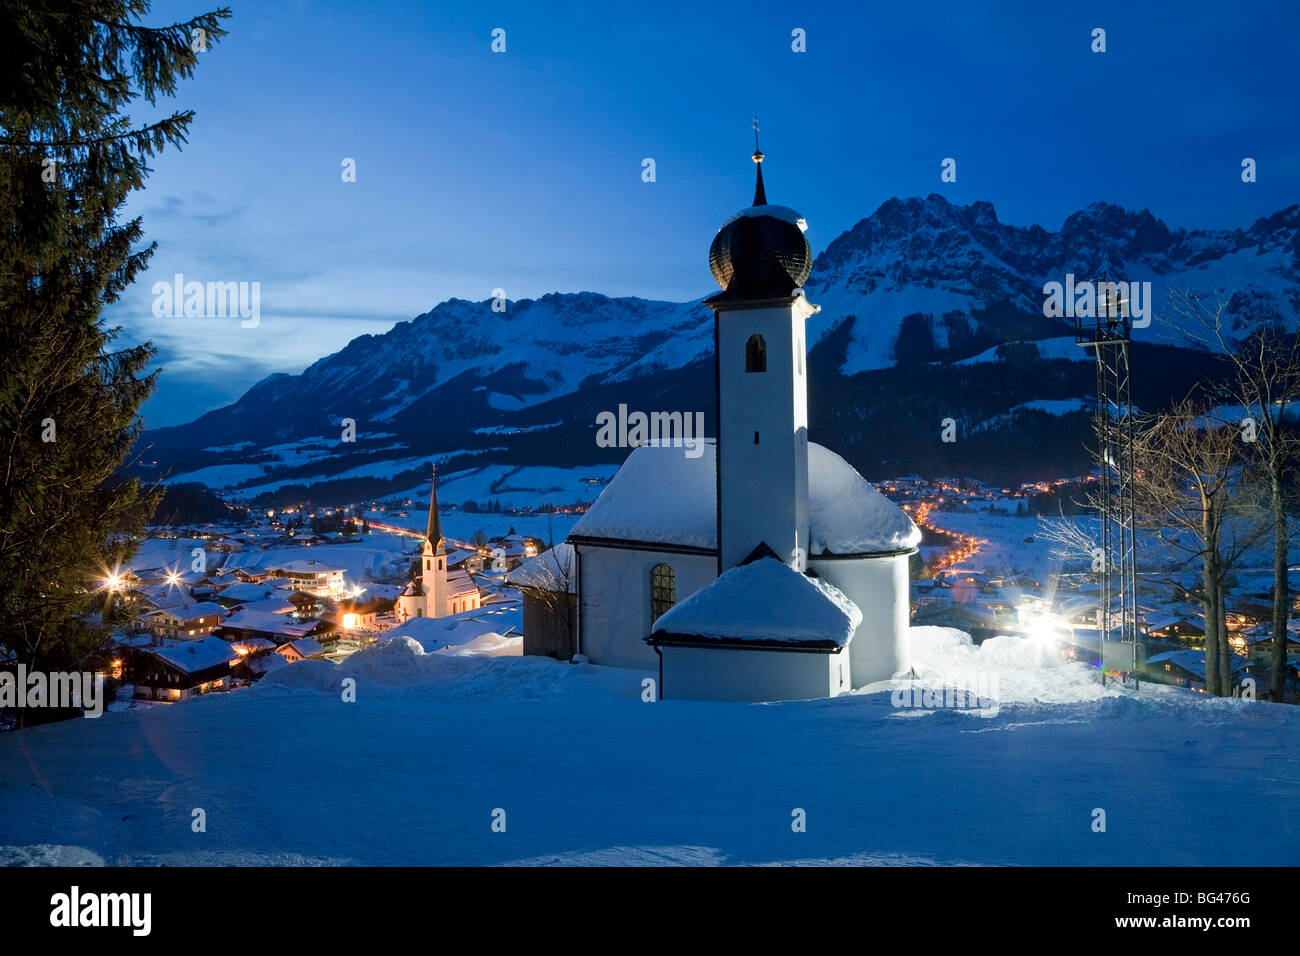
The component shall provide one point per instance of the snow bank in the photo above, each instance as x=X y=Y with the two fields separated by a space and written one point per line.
x=489 y=668
x=1027 y=670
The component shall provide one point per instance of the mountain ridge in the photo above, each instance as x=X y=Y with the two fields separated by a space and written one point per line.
x=921 y=281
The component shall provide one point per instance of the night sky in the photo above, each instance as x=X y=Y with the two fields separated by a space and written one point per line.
x=523 y=170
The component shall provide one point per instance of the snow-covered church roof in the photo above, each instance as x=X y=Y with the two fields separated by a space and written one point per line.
x=663 y=496
x=765 y=602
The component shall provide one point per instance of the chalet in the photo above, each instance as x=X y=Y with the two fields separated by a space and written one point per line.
x=177 y=669
x=280 y=628
x=320 y=579
x=234 y=595
x=1187 y=669
x=359 y=612
x=301 y=650
x=185 y=620
x=1173 y=626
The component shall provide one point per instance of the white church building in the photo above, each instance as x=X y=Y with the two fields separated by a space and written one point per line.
x=436 y=590
x=766 y=568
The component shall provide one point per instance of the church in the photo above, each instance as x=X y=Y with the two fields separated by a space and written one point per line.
x=766 y=568
x=436 y=591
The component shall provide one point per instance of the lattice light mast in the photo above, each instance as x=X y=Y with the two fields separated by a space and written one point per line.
x=1107 y=335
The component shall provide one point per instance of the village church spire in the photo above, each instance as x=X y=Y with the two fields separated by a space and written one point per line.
x=434 y=532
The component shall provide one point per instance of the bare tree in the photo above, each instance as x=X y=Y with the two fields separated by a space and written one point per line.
x=549 y=582
x=1264 y=379
x=1191 y=490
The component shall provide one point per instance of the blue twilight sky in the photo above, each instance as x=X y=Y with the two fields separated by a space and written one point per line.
x=522 y=170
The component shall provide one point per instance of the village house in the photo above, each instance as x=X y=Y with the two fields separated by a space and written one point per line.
x=302 y=649
x=174 y=670
x=185 y=620
x=315 y=577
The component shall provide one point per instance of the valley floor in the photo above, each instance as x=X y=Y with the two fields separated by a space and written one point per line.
x=585 y=772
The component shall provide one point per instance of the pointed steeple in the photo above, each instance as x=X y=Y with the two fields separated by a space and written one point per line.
x=434 y=533
x=760 y=194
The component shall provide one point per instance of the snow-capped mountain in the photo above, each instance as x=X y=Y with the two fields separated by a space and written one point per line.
x=919 y=282
x=981 y=281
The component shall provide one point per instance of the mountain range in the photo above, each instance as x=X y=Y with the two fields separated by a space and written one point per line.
x=929 y=310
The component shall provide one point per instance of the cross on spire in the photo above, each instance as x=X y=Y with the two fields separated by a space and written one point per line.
x=760 y=194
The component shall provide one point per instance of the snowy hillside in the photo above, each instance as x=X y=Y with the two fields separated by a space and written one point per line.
x=586 y=773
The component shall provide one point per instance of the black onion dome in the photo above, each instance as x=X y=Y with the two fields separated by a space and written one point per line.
x=761 y=252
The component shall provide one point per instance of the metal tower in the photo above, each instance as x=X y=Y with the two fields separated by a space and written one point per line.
x=1107 y=334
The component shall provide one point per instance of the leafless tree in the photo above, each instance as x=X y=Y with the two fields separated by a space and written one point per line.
x=550 y=580
x=1191 y=490
x=1264 y=379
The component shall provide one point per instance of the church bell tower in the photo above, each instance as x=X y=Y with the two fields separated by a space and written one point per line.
x=761 y=259
x=433 y=559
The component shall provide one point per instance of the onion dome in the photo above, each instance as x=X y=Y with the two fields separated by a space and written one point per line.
x=761 y=252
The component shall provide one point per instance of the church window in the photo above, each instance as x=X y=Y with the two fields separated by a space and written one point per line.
x=663 y=590
x=427 y=564
x=419 y=612
x=756 y=354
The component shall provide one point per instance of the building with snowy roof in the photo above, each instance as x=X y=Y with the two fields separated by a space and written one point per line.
x=765 y=567
x=437 y=590
x=178 y=669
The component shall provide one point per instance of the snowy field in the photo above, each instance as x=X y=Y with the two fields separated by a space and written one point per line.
x=378 y=556
x=1006 y=551
x=586 y=772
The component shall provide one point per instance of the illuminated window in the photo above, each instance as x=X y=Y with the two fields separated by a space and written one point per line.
x=756 y=354
x=663 y=590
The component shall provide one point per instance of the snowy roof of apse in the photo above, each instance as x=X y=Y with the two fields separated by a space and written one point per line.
x=663 y=496
x=765 y=601
x=552 y=570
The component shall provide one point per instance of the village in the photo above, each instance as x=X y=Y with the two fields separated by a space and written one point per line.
x=272 y=591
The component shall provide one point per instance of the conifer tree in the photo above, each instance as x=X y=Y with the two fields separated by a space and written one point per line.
x=69 y=392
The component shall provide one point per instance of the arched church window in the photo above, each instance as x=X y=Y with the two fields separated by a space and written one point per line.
x=663 y=590
x=427 y=564
x=756 y=354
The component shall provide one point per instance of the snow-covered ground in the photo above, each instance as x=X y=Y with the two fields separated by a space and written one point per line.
x=586 y=772
x=1005 y=549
